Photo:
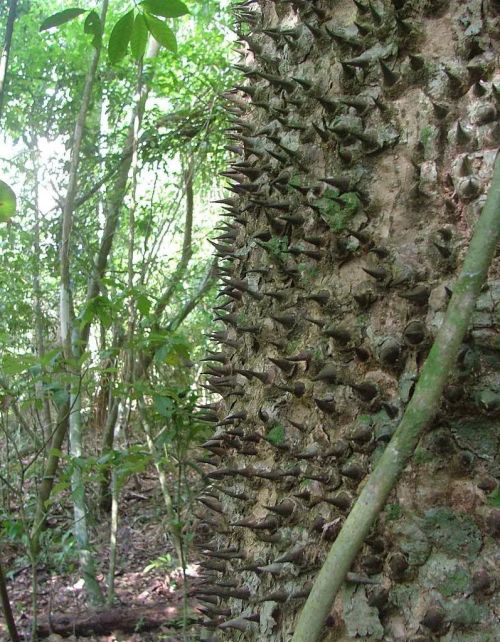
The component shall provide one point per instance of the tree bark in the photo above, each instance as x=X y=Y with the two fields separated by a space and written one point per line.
x=4 y=57
x=364 y=139
x=70 y=336
x=422 y=408
x=7 y=610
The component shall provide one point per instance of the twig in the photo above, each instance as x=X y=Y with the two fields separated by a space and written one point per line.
x=189 y=306
x=187 y=249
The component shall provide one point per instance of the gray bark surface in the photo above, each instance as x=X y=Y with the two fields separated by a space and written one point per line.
x=364 y=140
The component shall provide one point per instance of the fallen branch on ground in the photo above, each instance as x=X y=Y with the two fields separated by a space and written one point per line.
x=125 y=619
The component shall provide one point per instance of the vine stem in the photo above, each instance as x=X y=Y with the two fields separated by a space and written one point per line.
x=419 y=413
x=7 y=609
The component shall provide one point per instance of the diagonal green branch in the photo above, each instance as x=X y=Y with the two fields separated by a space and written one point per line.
x=187 y=249
x=83 y=198
x=49 y=472
x=189 y=306
x=419 y=412
x=209 y=280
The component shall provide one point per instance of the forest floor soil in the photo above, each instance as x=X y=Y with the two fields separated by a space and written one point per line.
x=144 y=582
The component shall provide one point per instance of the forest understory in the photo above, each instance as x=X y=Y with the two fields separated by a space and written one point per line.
x=150 y=590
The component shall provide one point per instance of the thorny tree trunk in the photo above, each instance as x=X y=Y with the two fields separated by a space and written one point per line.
x=365 y=137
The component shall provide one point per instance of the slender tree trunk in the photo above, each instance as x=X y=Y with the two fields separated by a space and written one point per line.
x=4 y=57
x=162 y=477
x=187 y=249
x=205 y=287
x=81 y=336
x=110 y=420
x=114 y=200
x=144 y=361
x=418 y=415
x=106 y=447
x=70 y=337
x=129 y=343
x=113 y=543
x=7 y=610
x=37 y=290
x=49 y=472
x=81 y=531
x=113 y=208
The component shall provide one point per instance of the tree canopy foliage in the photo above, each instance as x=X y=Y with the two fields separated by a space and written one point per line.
x=111 y=138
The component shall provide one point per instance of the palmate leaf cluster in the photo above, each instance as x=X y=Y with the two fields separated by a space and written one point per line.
x=183 y=117
x=132 y=28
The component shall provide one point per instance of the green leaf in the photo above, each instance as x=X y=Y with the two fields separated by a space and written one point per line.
x=165 y=8
x=49 y=358
x=161 y=32
x=103 y=311
x=164 y=561
x=120 y=37
x=100 y=307
x=7 y=202
x=163 y=405
x=163 y=438
x=142 y=301
x=131 y=467
x=58 y=392
x=106 y=459
x=139 y=38
x=93 y=27
x=57 y=488
x=14 y=364
x=59 y=18
x=174 y=351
